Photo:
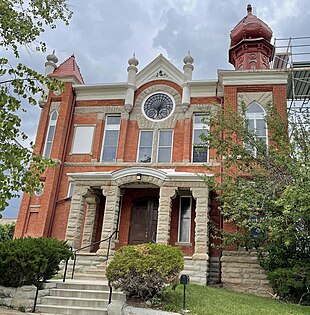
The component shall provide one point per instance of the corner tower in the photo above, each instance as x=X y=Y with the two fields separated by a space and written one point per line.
x=250 y=46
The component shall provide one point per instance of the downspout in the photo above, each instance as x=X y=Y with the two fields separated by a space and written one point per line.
x=62 y=162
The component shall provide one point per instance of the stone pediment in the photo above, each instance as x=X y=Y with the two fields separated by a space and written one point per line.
x=159 y=69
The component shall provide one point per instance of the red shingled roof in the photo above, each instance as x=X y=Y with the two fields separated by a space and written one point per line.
x=68 y=68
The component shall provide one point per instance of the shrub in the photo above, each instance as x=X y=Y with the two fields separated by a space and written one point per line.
x=292 y=283
x=28 y=260
x=144 y=270
x=288 y=270
x=6 y=232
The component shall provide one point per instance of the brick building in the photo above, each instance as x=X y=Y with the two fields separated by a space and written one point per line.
x=128 y=154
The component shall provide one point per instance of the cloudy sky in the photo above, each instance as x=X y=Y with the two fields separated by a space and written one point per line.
x=103 y=34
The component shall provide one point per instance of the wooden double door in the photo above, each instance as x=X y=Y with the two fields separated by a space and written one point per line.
x=143 y=221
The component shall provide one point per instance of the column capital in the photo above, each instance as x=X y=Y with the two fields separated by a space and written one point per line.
x=202 y=192
x=168 y=192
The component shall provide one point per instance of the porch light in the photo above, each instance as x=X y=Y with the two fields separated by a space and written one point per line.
x=139 y=176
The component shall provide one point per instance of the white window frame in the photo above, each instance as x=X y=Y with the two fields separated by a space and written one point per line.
x=257 y=116
x=172 y=134
x=152 y=146
x=190 y=220
x=199 y=126
x=88 y=152
x=111 y=127
x=52 y=123
x=70 y=189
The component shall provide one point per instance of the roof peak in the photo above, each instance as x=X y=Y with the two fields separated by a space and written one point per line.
x=69 y=68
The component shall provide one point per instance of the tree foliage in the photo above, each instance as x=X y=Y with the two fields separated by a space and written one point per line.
x=265 y=189
x=6 y=232
x=21 y=23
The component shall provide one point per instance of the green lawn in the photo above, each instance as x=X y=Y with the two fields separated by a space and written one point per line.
x=202 y=300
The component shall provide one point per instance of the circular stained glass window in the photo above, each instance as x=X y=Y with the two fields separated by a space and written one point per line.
x=158 y=106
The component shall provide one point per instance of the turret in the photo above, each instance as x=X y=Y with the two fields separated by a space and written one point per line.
x=250 y=46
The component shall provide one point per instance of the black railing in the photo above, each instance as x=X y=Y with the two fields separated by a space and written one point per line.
x=87 y=246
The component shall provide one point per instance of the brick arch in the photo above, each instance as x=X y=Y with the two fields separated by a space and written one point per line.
x=159 y=86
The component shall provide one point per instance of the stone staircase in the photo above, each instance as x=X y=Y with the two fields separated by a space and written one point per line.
x=87 y=294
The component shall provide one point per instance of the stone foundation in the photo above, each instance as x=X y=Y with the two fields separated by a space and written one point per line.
x=241 y=272
x=22 y=298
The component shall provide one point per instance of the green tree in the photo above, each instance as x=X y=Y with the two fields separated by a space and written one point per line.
x=6 y=232
x=265 y=191
x=21 y=23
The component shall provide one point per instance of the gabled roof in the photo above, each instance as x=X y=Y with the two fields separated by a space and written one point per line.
x=69 y=69
x=159 y=69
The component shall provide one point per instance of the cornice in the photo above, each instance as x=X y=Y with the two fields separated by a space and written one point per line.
x=252 y=77
x=106 y=91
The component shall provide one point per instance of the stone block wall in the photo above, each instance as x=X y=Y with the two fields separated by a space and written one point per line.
x=197 y=269
x=241 y=272
x=22 y=298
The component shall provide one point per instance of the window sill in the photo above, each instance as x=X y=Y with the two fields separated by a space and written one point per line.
x=183 y=244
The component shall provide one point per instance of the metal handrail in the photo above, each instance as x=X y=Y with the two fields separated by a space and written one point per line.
x=87 y=246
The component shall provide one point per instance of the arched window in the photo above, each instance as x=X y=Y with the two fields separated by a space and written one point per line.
x=255 y=115
x=50 y=134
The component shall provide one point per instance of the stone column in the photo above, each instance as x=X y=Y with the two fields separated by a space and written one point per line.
x=131 y=83
x=188 y=73
x=112 y=194
x=90 y=223
x=76 y=216
x=166 y=195
x=202 y=218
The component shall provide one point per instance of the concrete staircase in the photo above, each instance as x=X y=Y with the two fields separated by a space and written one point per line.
x=78 y=297
x=87 y=294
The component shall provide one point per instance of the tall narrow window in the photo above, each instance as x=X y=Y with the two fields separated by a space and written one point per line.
x=164 y=146
x=200 y=149
x=185 y=219
x=110 y=140
x=255 y=116
x=50 y=135
x=145 y=146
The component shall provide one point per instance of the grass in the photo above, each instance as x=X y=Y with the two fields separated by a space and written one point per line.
x=205 y=300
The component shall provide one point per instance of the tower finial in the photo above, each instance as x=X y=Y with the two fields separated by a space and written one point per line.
x=249 y=8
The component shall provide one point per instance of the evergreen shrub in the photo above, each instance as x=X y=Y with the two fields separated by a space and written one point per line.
x=144 y=270
x=27 y=261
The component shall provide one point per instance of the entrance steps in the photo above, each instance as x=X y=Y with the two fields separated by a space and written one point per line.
x=89 y=266
x=78 y=297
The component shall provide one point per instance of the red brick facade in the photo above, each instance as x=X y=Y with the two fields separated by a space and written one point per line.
x=55 y=214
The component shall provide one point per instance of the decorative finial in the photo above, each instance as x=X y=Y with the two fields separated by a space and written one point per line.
x=52 y=57
x=133 y=61
x=188 y=59
x=249 y=8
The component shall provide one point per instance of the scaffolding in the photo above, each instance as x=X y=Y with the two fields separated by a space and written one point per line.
x=290 y=54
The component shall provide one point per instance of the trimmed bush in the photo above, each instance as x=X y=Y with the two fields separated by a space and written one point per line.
x=26 y=261
x=144 y=270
